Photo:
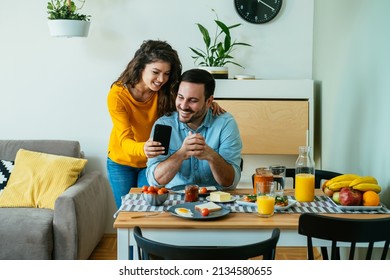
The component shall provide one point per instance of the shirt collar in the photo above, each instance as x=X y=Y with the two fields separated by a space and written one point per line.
x=206 y=122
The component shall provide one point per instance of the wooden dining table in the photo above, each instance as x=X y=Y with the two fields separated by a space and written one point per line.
x=236 y=228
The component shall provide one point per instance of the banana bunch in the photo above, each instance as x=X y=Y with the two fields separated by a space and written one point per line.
x=366 y=183
x=341 y=181
x=361 y=183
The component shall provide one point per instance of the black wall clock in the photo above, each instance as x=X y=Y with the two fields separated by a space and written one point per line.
x=258 y=11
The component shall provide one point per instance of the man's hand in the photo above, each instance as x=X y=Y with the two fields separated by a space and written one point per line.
x=195 y=145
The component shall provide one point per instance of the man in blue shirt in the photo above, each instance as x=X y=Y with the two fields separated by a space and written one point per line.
x=204 y=149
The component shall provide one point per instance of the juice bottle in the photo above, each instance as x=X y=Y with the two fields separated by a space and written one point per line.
x=262 y=175
x=304 y=176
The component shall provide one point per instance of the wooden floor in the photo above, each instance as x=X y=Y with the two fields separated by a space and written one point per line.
x=106 y=250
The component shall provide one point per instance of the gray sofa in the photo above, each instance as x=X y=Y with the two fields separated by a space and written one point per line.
x=70 y=231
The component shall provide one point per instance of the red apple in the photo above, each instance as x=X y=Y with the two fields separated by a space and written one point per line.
x=350 y=197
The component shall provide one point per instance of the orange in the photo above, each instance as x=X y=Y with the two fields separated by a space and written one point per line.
x=370 y=198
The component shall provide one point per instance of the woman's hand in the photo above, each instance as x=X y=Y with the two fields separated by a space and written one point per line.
x=217 y=110
x=153 y=148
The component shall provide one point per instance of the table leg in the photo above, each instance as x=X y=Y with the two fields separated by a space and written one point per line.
x=123 y=244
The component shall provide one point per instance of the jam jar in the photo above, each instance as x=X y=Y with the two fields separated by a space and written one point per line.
x=191 y=193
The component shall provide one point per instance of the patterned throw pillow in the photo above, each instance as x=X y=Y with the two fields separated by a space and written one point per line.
x=6 y=167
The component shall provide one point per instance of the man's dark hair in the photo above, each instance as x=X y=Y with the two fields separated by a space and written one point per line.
x=200 y=76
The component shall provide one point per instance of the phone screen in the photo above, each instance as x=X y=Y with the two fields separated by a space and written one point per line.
x=162 y=134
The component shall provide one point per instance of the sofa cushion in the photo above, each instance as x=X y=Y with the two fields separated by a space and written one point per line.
x=6 y=167
x=9 y=148
x=26 y=234
x=39 y=178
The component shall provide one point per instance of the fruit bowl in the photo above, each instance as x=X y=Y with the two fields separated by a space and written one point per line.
x=155 y=199
x=155 y=195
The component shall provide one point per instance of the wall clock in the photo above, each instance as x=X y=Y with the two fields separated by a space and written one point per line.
x=258 y=11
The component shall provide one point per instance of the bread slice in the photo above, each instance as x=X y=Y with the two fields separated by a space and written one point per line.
x=209 y=205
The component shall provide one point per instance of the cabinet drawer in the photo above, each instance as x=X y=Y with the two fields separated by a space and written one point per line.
x=270 y=126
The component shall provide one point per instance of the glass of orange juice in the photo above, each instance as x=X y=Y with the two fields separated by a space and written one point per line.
x=304 y=187
x=265 y=199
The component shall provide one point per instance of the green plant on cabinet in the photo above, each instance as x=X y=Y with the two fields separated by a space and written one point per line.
x=217 y=51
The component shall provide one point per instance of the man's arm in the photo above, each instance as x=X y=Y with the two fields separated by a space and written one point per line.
x=228 y=147
x=167 y=169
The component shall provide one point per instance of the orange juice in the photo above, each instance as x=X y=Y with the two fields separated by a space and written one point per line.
x=304 y=187
x=265 y=205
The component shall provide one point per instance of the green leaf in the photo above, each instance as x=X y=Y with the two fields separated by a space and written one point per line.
x=223 y=27
x=227 y=43
x=205 y=34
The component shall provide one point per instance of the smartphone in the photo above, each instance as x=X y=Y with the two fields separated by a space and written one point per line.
x=162 y=134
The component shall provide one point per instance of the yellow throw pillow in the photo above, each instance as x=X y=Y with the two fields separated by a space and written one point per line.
x=37 y=179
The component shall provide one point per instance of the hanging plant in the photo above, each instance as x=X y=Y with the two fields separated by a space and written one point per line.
x=66 y=9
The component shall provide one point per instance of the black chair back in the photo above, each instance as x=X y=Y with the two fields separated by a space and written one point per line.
x=149 y=249
x=319 y=176
x=353 y=231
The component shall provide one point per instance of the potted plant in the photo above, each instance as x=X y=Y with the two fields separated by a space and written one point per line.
x=218 y=50
x=65 y=19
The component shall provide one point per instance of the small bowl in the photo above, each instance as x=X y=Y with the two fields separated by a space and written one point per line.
x=155 y=199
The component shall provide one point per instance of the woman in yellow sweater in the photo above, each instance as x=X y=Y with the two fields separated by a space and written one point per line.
x=145 y=91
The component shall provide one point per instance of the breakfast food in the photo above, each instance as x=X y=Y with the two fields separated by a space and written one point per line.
x=203 y=190
x=220 y=196
x=250 y=198
x=209 y=205
x=184 y=212
x=154 y=190
x=154 y=195
x=349 y=190
x=281 y=201
x=205 y=212
x=206 y=190
x=191 y=193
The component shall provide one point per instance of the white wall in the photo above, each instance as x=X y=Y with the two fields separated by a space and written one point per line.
x=352 y=66
x=55 y=88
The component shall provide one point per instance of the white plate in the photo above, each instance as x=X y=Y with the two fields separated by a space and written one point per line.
x=360 y=208
x=196 y=214
x=227 y=201
x=291 y=203
x=243 y=202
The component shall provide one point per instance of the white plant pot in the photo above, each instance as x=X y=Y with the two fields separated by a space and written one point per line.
x=217 y=72
x=68 y=28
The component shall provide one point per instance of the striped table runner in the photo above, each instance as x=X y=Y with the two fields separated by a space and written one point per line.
x=321 y=204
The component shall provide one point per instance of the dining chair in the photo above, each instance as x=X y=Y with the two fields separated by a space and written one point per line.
x=320 y=175
x=149 y=249
x=352 y=231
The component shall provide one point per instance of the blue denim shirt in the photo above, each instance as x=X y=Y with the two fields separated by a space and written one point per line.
x=221 y=134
